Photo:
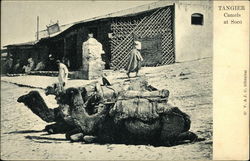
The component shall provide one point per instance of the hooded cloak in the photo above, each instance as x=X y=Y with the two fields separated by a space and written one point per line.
x=135 y=60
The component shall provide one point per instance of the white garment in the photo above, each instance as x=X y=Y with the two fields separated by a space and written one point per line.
x=63 y=73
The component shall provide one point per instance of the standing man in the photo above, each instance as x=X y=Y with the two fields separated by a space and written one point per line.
x=134 y=64
x=63 y=73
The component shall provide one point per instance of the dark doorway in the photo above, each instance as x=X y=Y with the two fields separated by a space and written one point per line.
x=94 y=31
x=56 y=49
x=151 y=50
x=71 y=59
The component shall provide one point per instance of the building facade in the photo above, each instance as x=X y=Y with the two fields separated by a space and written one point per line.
x=170 y=31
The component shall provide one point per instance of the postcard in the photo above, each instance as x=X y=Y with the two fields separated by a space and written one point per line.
x=125 y=80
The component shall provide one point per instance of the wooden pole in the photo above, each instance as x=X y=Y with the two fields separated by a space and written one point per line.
x=37 y=34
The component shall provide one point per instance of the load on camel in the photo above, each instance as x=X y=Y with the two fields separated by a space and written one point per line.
x=136 y=113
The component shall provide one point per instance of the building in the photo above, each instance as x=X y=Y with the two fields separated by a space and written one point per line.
x=170 y=31
x=4 y=55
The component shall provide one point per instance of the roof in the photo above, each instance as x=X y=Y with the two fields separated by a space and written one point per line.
x=30 y=43
x=43 y=34
x=122 y=13
x=132 y=11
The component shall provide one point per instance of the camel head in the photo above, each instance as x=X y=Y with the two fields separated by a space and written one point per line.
x=50 y=91
x=29 y=98
x=71 y=97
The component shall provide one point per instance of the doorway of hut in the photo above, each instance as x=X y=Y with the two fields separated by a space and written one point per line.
x=70 y=58
x=151 y=50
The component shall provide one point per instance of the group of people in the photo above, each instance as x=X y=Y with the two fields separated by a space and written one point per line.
x=134 y=65
x=18 y=66
x=50 y=65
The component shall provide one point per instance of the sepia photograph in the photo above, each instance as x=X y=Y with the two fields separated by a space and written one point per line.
x=107 y=80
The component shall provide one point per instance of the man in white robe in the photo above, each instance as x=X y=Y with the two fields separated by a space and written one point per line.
x=63 y=73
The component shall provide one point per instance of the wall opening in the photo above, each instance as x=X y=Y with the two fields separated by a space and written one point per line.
x=197 y=19
x=93 y=30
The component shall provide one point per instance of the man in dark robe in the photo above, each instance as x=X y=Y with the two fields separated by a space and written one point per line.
x=134 y=64
x=50 y=64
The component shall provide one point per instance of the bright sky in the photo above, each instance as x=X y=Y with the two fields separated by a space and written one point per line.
x=19 y=18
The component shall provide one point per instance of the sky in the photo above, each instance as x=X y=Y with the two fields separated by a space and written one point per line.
x=19 y=18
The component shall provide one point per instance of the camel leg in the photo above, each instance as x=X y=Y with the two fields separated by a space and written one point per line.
x=74 y=135
x=58 y=128
x=77 y=136
x=167 y=141
x=178 y=139
x=89 y=139
x=51 y=128
x=192 y=137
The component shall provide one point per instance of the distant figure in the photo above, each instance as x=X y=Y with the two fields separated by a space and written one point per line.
x=134 y=64
x=8 y=64
x=63 y=73
x=30 y=66
x=40 y=66
x=51 y=64
x=66 y=61
x=17 y=67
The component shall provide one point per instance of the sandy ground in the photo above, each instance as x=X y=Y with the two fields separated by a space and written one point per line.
x=190 y=86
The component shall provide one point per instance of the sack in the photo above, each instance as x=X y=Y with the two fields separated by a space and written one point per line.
x=138 y=108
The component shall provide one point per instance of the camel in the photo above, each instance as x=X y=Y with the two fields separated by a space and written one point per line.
x=167 y=128
x=166 y=125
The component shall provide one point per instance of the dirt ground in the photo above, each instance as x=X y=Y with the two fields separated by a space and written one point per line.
x=190 y=86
